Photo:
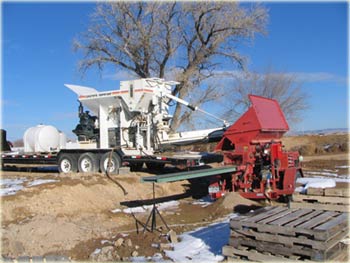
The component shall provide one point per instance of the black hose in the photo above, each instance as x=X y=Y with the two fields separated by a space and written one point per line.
x=109 y=177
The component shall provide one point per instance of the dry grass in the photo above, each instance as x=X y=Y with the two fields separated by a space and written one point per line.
x=317 y=144
x=306 y=144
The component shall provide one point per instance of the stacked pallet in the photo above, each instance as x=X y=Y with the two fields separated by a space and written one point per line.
x=331 y=199
x=283 y=234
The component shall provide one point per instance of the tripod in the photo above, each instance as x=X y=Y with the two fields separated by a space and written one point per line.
x=152 y=216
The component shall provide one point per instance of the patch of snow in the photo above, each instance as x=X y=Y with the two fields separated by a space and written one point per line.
x=11 y=186
x=41 y=181
x=138 y=259
x=299 y=189
x=316 y=182
x=8 y=182
x=96 y=251
x=204 y=201
x=157 y=257
x=12 y=190
x=145 y=208
x=167 y=205
x=341 y=178
x=205 y=243
x=139 y=209
x=342 y=167
x=192 y=249
x=346 y=241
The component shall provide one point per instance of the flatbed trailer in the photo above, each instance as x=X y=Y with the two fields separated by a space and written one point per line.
x=17 y=158
x=152 y=162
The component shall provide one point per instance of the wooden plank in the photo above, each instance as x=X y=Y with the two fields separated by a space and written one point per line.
x=236 y=233
x=344 y=192
x=253 y=255
x=334 y=222
x=276 y=216
x=296 y=213
x=321 y=199
x=271 y=247
x=314 y=191
x=291 y=241
x=304 y=218
x=263 y=215
x=318 y=219
x=319 y=206
x=294 y=223
x=296 y=250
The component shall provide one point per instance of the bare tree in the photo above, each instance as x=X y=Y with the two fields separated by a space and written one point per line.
x=138 y=37
x=283 y=87
x=152 y=38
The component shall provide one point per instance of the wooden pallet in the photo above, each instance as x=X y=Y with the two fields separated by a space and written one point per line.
x=322 y=199
x=300 y=251
x=281 y=233
x=315 y=224
x=244 y=252
x=341 y=192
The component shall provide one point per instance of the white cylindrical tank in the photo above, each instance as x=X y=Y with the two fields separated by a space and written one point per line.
x=42 y=138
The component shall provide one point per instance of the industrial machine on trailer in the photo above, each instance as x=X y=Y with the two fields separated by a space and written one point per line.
x=129 y=126
x=254 y=162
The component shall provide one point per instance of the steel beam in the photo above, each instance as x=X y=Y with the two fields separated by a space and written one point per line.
x=188 y=175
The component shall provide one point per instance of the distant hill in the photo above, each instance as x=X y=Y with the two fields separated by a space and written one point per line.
x=321 y=132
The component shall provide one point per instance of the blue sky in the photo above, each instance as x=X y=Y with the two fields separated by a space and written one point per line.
x=307 y=39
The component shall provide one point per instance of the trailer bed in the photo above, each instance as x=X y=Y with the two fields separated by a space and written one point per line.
x=181 y=160
x=19 y=158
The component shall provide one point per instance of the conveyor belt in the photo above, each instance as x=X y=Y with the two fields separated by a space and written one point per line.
x=188 y=175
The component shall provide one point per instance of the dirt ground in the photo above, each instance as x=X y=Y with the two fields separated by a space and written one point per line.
x=72 y=216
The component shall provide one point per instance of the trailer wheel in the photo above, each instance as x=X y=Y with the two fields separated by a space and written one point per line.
x=114 y=163
x=88 y=163
x=67 y=163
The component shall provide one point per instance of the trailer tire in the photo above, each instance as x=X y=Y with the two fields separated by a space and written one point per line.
x=67 y=163
x=88 y=163
x=115 y=163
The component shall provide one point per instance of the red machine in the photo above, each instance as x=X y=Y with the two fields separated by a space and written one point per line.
x=253 y=144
